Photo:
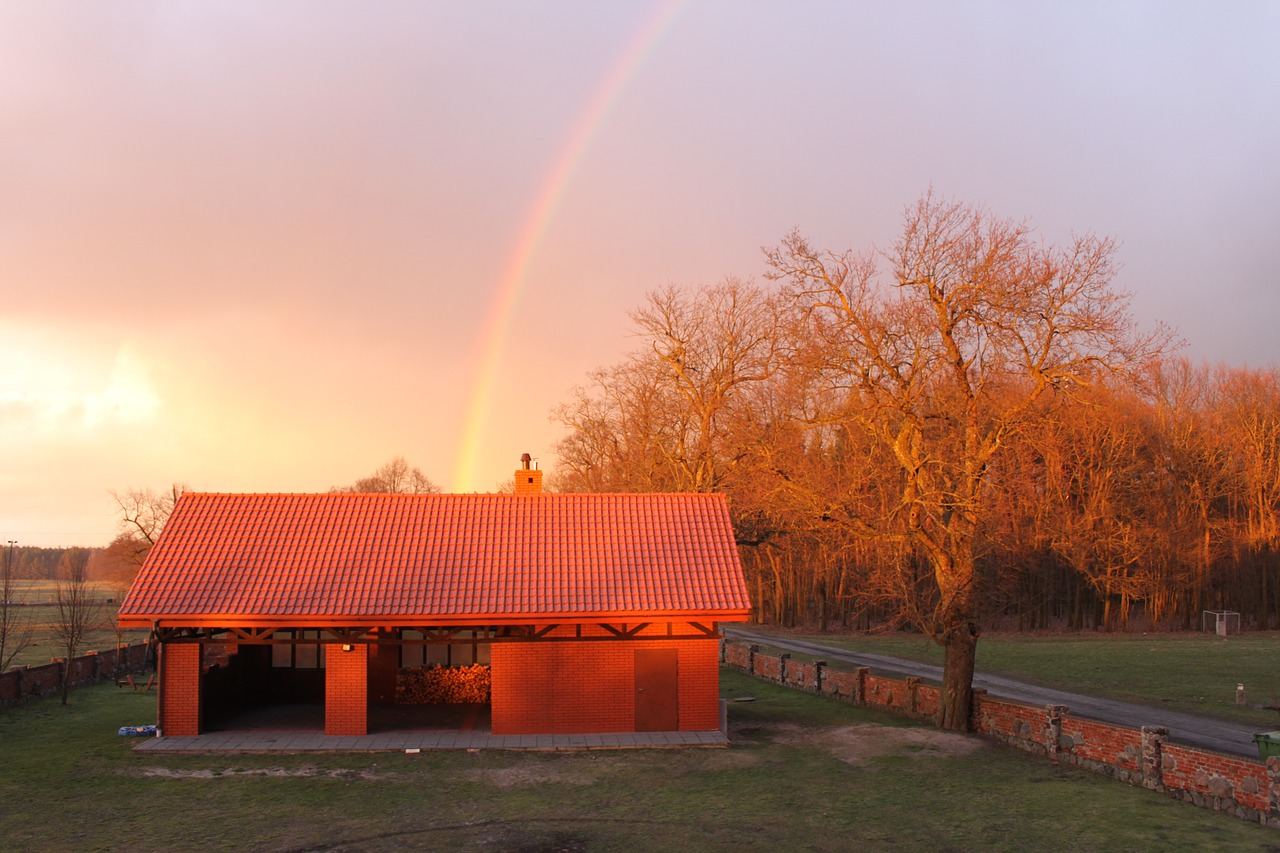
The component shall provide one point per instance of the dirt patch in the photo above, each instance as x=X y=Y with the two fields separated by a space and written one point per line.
x=859 y=744
x=275 y=772
x=533 y=774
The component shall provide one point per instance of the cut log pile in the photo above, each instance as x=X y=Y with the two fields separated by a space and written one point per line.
x=443 y=684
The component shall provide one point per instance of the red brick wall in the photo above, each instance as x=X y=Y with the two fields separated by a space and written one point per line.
x=588 y=687
x=346 y=690
x=840 y=683
x=179 y=702
x=767 y=666
x=1216 y=777
x=1093 y=741
x=1245 y=787
x=1019 y=725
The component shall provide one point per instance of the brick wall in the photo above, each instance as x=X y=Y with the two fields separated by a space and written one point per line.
x=25 y=683
x=1245 y=787
x=346 y=690
x=589 y=687
x=179 y=703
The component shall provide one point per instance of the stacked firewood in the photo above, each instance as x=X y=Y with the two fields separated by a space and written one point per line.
x=443 y=684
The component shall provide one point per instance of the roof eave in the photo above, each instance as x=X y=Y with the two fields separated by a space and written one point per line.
x=243 y=620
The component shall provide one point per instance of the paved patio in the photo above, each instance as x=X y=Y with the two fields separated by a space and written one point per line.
x=311 y=741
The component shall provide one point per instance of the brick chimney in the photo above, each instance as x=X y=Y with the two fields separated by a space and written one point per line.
x=528 y=478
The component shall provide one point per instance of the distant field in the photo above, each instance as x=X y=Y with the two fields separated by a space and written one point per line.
x=1192 y=672
x=37 y=601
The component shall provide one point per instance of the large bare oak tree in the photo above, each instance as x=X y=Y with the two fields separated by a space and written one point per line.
x=941 y=359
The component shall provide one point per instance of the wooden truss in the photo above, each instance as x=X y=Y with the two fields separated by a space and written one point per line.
x=431 y=634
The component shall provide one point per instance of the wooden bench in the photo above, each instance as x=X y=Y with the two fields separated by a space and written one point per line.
x=141 y=688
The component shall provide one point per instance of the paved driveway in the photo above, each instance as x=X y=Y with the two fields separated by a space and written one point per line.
x=1189 y=729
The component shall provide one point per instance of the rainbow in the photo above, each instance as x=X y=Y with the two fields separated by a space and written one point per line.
x=502 y=308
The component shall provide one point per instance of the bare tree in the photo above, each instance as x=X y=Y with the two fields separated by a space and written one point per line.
x=943 y=366
x=397 y=477
x=143 y=514
x=78 y=610
x=670 y=417
x=16 y=631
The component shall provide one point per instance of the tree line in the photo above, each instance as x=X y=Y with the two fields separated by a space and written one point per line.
x=1111 y=485
x=965 y=429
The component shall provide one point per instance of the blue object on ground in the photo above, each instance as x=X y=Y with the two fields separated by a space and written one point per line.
x=137 y=731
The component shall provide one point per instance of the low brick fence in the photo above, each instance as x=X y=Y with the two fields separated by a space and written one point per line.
x=24 y=683
x=1248 y=788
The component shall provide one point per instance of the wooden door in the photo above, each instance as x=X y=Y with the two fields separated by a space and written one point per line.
x=657 y=690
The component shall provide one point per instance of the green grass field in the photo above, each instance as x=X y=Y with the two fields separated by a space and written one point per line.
x=1192 y=672
x=804 y=773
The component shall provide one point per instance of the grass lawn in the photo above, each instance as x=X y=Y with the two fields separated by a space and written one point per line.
x=1192 y=672
x=803 y=773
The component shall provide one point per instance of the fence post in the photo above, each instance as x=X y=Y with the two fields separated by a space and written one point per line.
x=860 y=685
x=1273 y=778
x=1153 y=739
x=1053 y=729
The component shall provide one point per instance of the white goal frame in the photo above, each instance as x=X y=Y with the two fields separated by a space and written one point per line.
x=1221 y=622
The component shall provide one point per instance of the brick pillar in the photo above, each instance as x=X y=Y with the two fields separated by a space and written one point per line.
x=1053 y=729
x=860 y=685
x=346 y=690
x=179 y=689
x=1273 y=778
x=1153 y=740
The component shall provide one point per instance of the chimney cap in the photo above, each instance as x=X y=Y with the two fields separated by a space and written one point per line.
x=525 y=459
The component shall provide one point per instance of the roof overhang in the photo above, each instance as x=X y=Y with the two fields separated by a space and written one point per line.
x=245 y=620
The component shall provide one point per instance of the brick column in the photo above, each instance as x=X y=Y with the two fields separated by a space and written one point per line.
x=1153 y=740
x=179 y=689
x=1273 y=779
x=346 y=690
x=1053 y=729
x=859 y=696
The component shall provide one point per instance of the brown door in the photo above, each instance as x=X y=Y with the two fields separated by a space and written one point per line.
x=657 y=690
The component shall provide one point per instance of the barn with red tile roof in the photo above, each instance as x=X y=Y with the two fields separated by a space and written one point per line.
x=593 y=612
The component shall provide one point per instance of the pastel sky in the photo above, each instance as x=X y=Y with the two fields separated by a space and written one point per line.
x=267 y=246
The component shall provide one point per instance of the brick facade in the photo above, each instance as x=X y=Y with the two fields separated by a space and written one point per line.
x=346 y=690
x=567 y=687
x=179 y=700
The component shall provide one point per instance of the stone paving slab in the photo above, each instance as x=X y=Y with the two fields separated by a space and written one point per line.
x=302 y=742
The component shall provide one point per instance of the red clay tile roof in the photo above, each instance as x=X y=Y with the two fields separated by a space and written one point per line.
x=241 y=560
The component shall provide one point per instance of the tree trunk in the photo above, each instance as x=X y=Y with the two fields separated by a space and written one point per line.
x=956 y=706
